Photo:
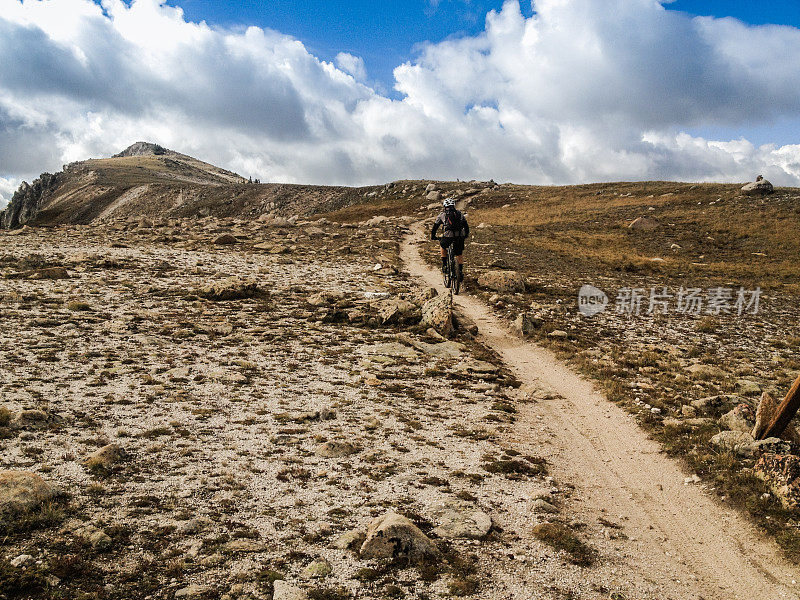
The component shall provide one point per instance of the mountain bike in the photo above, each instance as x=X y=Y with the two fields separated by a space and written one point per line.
x=450 y=275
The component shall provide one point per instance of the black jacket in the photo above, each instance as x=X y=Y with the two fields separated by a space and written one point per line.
x=463 y=233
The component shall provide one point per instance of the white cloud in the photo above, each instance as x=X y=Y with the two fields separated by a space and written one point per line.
x=354 y=65
x=585 y=90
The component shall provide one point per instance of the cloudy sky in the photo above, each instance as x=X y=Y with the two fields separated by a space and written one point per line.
x=554 y=91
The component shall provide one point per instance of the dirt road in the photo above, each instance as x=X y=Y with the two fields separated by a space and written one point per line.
x=679 y=539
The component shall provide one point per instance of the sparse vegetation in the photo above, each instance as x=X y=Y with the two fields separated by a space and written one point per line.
x=562 y=538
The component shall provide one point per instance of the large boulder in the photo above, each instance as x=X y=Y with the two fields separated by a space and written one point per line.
x=781 y=472
x=502 y=281
x=392 y=535
x=759 y=187
x=433 y=196
x=644 y=224
x=21 y=491
x=438 y=313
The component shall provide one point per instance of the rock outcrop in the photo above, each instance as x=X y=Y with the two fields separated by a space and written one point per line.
x=25 y=203
x=781 y=472
x=143 y=149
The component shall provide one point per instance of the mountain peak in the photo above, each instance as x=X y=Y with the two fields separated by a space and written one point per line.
x=143 y=149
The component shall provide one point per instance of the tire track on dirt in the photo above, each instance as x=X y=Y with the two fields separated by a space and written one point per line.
x=681 y=539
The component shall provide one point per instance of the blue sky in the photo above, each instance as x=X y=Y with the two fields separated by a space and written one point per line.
x=385 y=33
x=585 y=91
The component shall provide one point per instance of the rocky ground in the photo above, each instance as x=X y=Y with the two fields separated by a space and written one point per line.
x=230 y=409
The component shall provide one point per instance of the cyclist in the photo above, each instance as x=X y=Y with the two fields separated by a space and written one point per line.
x=455 y=230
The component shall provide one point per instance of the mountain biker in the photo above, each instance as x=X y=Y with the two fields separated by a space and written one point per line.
x=455 y=230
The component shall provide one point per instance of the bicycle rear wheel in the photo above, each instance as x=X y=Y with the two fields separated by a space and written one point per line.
x=455 y=284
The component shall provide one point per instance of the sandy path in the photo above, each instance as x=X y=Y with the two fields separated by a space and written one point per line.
x=681 y=540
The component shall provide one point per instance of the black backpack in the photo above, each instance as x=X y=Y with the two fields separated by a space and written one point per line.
x=452 y=220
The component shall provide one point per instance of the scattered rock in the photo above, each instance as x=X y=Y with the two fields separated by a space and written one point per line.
x=476 y=366
x=193 y=590
x=558 y=334
x=772 y=444
x=226 y=239
x=376 y=220
x=644 y=224
x=701 y=371
x=21 y=491
x=502 y=281
x=43 y=273
x=458 y=520
x=105 y=458
x=287 y=591
x=397 y=311
x=739 y=442
x=23 y=560
x=335 y=449
x=710 y=403
x=317 y=570
x=325 y=298
x=741 y=418
x=434 y=196
x=543 y=506
x=350 y=540
x=389 y=349
x=97 y=538
x=33 y=419
x=748 y=388
x=527 y=323
x=393 y=535
x=245 y=546
x=230 y=289
x=281 y=222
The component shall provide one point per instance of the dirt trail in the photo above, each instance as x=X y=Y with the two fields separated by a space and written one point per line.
x=681 y=540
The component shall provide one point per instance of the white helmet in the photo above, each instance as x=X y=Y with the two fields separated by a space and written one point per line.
x=448 y=202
